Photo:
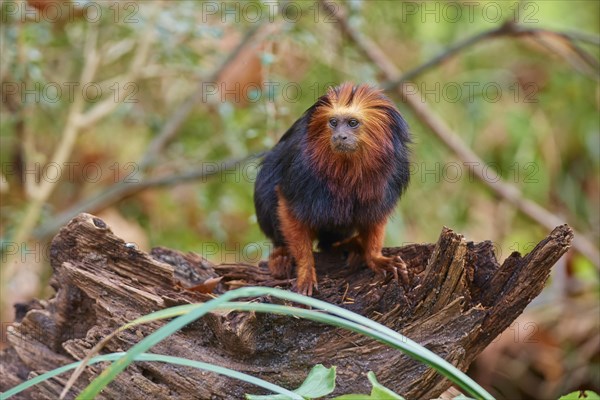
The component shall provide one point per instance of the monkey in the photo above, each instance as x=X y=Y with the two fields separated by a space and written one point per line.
x=335 y=176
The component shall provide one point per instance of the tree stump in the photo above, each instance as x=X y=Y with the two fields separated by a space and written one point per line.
x=459 y=300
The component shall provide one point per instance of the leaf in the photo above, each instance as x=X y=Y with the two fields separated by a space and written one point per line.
x=581 y=394
x=379 y=392
x=319 y=382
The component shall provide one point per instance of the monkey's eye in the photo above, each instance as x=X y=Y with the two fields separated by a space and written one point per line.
x=352 y=123
x=333 y=122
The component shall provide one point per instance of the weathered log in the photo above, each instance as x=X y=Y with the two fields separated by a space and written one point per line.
x=459 y=300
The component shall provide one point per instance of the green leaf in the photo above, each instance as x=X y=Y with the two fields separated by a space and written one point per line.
x=581 y=394
x=381 y=392
x=319 y=382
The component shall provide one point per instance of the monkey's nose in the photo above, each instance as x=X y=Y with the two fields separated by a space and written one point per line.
x=339 y=138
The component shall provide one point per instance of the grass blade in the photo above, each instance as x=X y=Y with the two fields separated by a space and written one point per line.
x=156 y=358
x=361 y=324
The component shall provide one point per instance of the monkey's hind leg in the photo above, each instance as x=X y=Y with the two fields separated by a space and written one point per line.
x=372 y=240
x=280 y=263
x=353 y=246
x=298 y=238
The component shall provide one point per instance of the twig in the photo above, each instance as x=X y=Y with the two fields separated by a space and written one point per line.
x=40 y=193
x=583 y=37
x=445 y=55
x=103 y=108
x=507 y=29
x=171 y=127
x=121 y=190
x=438 y=126
x=76 y=120
x=570 y=39
x=582 y=63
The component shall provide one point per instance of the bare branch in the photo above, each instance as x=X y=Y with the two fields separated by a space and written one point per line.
x=41 y=192
x=121 y=190
x=444 y=56
x=105 y=107
x=583 y=62
x=507 y=29
x=171 y=127
x=583 y=37
x=77 y=120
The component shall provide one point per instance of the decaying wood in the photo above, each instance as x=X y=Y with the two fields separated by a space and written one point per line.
x=459 y=300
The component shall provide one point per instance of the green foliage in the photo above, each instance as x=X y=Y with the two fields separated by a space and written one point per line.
x=379 y=392
x=581 y=394
x=319 y=382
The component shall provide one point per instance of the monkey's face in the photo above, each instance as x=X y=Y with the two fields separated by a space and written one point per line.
x=351 y=123
x=344 y=130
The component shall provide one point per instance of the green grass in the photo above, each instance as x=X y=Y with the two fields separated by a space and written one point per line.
x=156 y=358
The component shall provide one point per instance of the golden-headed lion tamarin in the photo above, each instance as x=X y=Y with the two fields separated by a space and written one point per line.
x=334 y=176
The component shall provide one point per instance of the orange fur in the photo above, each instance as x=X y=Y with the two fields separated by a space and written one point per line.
x=338 y=171
x=371 y=239
x=362 y=172
x=299 y=238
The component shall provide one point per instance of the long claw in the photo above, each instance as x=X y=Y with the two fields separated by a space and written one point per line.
x=395 y=272
x=403 y=270
x=395 y=265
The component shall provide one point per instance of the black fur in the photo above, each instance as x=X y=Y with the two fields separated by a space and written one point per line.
x=333 y=218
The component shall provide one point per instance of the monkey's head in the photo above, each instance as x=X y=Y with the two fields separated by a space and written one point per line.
x=355 y=139
x=352 y=121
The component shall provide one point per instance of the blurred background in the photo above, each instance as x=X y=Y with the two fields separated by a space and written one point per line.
x=151 y=114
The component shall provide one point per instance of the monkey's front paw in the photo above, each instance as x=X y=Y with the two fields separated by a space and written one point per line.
x=280 y=263
x=395 y=265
